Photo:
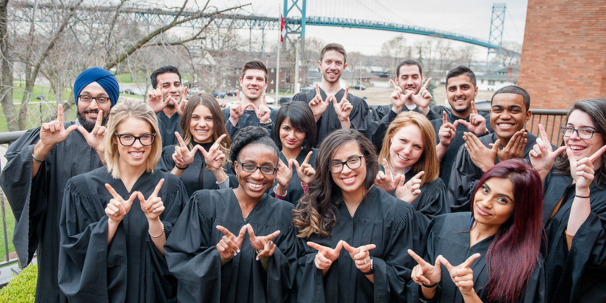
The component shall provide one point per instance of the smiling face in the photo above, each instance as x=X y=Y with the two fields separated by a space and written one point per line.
x=291 y=137
x=460 y=91
x=494 y=203
x=406 y=147
x=410 y=79
x=351 y=181
x=253 y=83
x=332 y=66
x=170 y=85
x=89 y=111
x=583 y=147
x=133 y=156
x=201 y=124
x=255 y=184
x=508 y=115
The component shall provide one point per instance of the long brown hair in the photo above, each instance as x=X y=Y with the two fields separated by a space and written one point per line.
x=218 y=122
x=316 y=212
x=428 y=162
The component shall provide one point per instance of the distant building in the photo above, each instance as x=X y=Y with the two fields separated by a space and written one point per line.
x=493 y=81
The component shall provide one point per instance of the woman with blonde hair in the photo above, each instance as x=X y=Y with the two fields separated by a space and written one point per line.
x=199 y=158
x=411 y=166
x=116 y=219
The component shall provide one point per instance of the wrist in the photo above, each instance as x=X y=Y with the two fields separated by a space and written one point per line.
x=233 y=121
x=582 y=192
x=397 y=109
x=280 y=189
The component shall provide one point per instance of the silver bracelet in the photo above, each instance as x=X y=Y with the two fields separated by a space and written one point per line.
x=36 y=158
x=158 y=234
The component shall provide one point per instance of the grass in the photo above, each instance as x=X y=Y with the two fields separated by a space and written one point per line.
x=10 y=225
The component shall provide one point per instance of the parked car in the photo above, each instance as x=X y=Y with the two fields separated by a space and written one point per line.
x=283 y=100
x=269 y=100
x=233 y=92
x=219 y=94
x=307 y=88
x=360 y=87
x=133 y=91
x=222 y=103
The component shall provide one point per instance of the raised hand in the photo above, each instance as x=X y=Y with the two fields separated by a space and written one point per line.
x=305 y=172
x=156 y=101
x=582 y=170
x=54 y=132
x=447 y=131
x=425 y=272
x=229 y=245
x=262 y=111
x=423 y=98
x=284 y=174
x=343 y=108
x=384 y=180
x=95 y=138
x=181 y=106
x=117 y=208
x=360 y=255
x=515 y=147
x=410 y=190
x=182 y=156
x=263 y=244
x=477 y=122
x=542 y=155
x=317 y=104
x=214 y=157
x=462 y=275
x=153 y=206
x=480 y=155
x=326 y=255
x=236 y=110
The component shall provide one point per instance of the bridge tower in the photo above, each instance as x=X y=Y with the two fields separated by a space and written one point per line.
x=294 y=8
x=497 y=24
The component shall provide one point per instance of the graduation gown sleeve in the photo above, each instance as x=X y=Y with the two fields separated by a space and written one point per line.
x=249 y=118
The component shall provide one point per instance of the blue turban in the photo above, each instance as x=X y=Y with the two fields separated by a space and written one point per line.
x=106 y=79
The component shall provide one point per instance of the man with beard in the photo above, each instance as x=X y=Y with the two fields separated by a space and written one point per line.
x=410 y=94
x=39 y=165
x=509 y=111
x=250 y=108
x=461 y=91
x=333 y=107
x=166 y=100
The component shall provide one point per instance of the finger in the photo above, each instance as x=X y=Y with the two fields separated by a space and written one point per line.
x=238 y=95
x=224 y=231
x=81 y=129
x=132 y=198
x=264 y=103
x=272 y=235
x=306 y=161
x=558 y=151
x=339 y=247
x=427 y=83
x=387 y=171
x=345 y=95
x=418 y=176
x=251 y=233
x=318 y=92
x=571 y=158
x=417 y=258
x=368 y=247
x=241 y=235
x=408 y=95
x=496 y=145
x=157 y=189
x=348 y=247
x=597 y=154
x=180 y=139
x=470 y=260
x=474 y=110
x=99 y=118
x=144 y=205
x=445 y=262
x=444 y=118
x=395 y=86
x=60 y=113
x=316 y=246
x=113 y=192
x=218 y=142
x=455 y=124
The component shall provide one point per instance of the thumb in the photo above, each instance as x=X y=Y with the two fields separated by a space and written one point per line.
x=558 y=151
x=445 y=262
x=296 y=164
x=348 y=247
x=495 y=146
x=81 y=129
x=339 y=246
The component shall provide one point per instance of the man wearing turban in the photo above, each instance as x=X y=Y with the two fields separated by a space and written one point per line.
x=39 y=165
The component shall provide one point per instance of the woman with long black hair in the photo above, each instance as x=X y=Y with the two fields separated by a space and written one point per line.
x=491 y=254
x=353 y=234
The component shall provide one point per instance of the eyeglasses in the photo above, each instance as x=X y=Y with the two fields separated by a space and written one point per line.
x=128 y=140
x=582 y=133
x=352 y=162
x=89 y=99
x=251 y=168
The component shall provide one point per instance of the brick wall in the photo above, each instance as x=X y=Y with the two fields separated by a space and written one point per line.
x=564 y=52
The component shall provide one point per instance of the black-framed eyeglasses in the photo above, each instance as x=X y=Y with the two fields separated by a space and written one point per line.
x=89 y=99
x=582 y=133
x=352 y=162
x=251 y=168
x=128 y=139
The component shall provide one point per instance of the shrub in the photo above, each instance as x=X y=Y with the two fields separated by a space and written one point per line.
x=22 y=287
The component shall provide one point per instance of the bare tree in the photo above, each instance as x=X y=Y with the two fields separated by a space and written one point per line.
x=392 y=53
x=6 y=73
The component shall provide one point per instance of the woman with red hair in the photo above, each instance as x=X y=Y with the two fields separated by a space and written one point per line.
x=491 y=254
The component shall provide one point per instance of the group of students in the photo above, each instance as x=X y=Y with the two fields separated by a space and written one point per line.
x=306 y=203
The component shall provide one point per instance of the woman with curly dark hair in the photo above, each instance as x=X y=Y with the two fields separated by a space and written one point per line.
x=574 y=211
x=356 y=233
x=236 y=245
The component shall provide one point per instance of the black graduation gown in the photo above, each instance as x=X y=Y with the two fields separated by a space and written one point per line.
x=249 y=118
x=465 y=174
x=379 y=133
x=294 y=192
x=36 y=203
x=451 y=153
x=130 y=268
x=432 y=200
x=448 y=235
x=168 y=127
x=578 y=275
x=329 y=120
x=194 y=259
x=196 y=176
x=380 y=219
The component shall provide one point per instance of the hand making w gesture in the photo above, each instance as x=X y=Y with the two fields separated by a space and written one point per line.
x=229 y=245
x=117 y=207
x=55 y=132
x=262 y=112
x=482 y=156
x=385 y=181
x=317 y=104
x=423 y=98
x=582 y=170
x=398 y=98
x=263 y=244
x=462 y=275
x=360 y=255
x=542 y=155
x=236 y=110
x=305 y=172
x=425 y=272
x=410 y=190
x=153 y=206
x=96 y=137
x=326 y=255
x=343 y=108
x=283 y=177
x=447 y=131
